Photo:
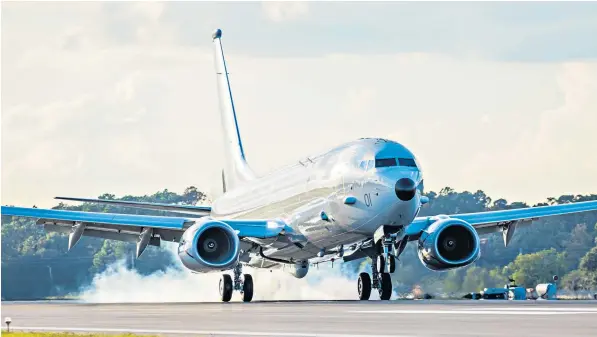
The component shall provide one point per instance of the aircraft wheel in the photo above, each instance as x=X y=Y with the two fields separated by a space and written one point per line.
x=225 y=288
x=364 y=286
x=385 y=289
x=248 y=288
x=392 y=264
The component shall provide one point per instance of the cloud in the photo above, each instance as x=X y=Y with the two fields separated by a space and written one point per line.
x=120 y=114
x=555 y=147
x=285 y=10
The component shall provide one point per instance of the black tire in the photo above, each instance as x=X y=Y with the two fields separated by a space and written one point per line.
x=392 y=264
x=364 y=286
x=385 y=289
x=225 y=288
x=248 y=288
x=380 y=263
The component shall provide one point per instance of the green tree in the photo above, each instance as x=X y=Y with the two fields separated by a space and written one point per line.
x=453 y=281
x=578 y=244
x=589 y=261
x=534 y=268
x=576 y=280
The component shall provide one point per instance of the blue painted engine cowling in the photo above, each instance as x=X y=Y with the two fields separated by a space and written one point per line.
x=209 y=245
x=447 y=244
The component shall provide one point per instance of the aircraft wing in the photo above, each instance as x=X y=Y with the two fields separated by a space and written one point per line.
x=507 y=220
x=149 y=230
x=195 y=210
x=493 y=220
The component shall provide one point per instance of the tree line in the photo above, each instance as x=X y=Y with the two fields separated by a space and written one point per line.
x=36 y=264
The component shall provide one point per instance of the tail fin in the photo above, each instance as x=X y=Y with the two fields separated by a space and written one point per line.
x=236 y=170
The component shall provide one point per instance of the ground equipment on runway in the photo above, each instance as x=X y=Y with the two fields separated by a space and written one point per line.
x=546 y=291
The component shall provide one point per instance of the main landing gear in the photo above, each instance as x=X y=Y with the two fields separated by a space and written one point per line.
x=383 y=265
x=245 y=285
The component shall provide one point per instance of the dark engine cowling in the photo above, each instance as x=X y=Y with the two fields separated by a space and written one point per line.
x=209 y=245
x=447 y=244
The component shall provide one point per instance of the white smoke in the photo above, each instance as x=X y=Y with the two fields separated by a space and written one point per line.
x=121 y=285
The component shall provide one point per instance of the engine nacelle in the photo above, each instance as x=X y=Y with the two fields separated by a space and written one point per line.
x=298 y=270
x=448 y=243
x=209 y=245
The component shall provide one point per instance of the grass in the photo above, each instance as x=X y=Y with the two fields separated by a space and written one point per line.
x=64 y=334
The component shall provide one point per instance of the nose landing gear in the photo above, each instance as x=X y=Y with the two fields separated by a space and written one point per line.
x=383 y=264
x=381 y=280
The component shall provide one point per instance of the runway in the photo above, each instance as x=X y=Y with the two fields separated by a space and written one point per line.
x=309 y=318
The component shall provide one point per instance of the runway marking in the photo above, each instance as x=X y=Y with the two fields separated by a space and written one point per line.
x=518 y=311
x=200 y=332
x=534 y=309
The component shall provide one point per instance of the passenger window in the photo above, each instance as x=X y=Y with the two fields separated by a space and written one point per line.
x=385 y=162
x=407 y=162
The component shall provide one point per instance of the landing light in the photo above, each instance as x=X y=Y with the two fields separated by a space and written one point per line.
x=272 y=224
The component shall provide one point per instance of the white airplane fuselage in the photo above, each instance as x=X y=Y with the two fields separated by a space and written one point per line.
x=298 y=194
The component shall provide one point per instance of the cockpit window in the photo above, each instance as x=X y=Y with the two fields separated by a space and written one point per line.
x=407 y=162
x=385 y=162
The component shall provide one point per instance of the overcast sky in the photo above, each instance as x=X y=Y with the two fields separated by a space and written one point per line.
x=121 y=97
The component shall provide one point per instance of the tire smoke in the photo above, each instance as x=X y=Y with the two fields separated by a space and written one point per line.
x=118 y=284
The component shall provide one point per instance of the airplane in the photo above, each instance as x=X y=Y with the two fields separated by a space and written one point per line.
x=358 y=200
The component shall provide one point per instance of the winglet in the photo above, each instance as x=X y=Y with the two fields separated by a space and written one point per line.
x=216 y=34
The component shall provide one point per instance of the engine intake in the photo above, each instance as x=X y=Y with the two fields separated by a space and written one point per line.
x=209 y=245
x=447 y=244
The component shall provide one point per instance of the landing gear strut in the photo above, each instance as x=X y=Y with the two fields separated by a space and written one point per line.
x=244 y=285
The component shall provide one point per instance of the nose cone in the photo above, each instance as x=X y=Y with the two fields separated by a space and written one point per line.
x=405 y=189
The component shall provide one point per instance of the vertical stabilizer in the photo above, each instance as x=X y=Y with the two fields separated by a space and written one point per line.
x=236 y=169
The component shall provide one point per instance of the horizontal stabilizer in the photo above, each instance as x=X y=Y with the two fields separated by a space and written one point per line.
x=189 y=209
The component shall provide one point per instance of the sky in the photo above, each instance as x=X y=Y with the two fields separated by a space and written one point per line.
x=114 y=97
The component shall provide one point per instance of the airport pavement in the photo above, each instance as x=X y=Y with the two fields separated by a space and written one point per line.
x=338 y=318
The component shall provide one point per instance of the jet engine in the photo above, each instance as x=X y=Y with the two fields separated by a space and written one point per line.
x=209 y=245
x=447 y=244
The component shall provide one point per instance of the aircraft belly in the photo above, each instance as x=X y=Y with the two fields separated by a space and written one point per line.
x=294 y=252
